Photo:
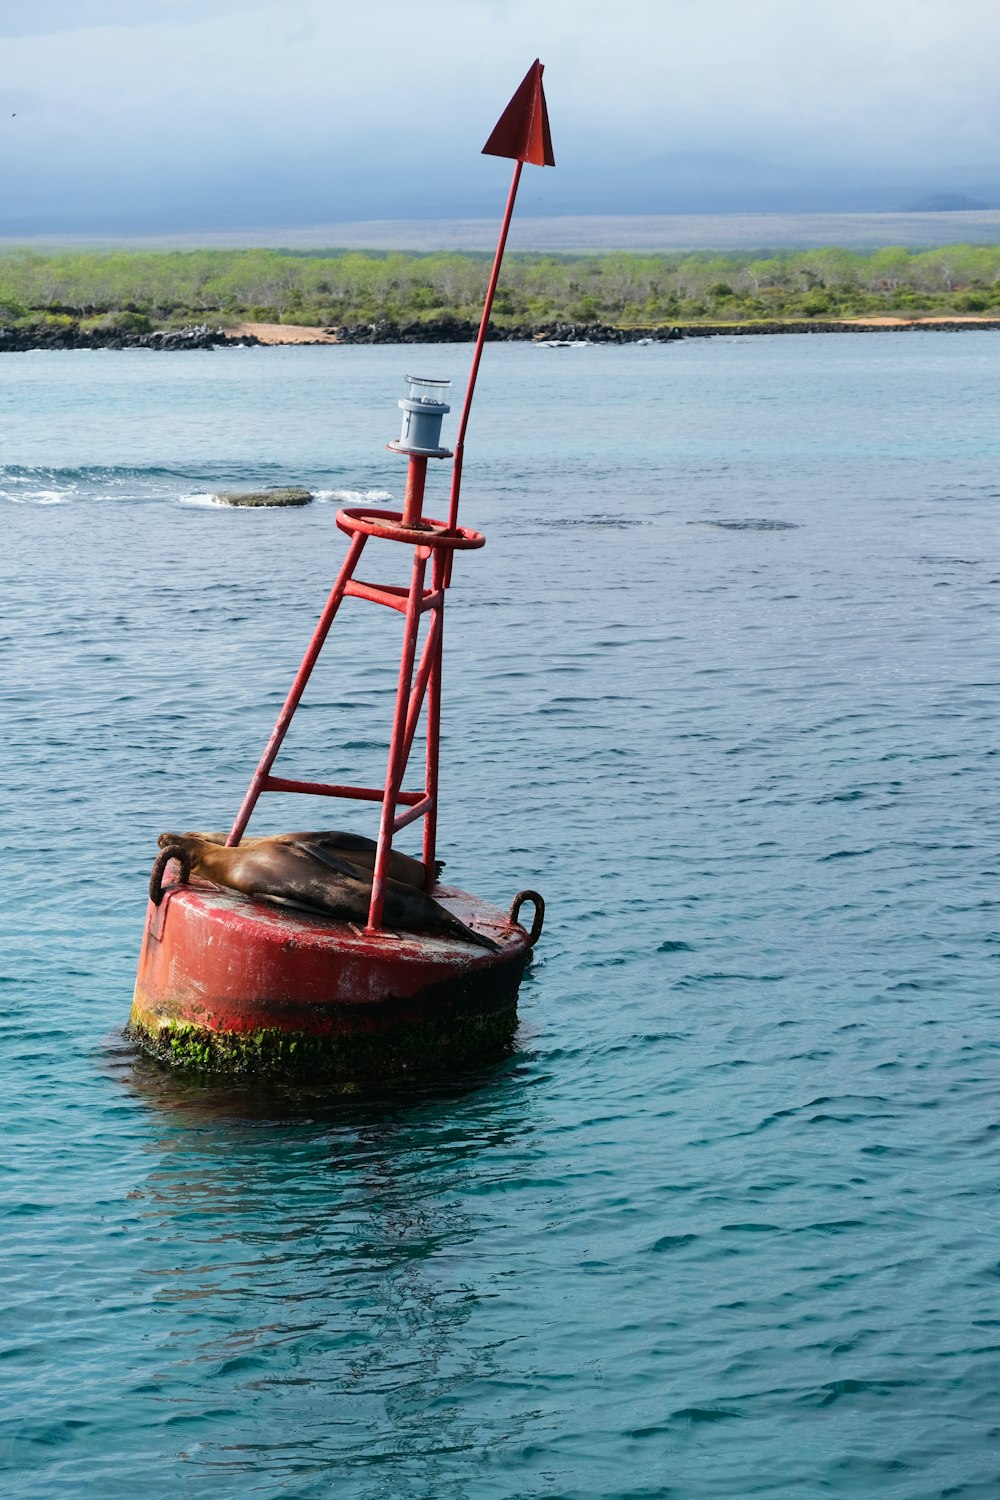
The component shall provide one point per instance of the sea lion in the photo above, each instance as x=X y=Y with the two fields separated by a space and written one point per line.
x=353 y=847
x=299 y=873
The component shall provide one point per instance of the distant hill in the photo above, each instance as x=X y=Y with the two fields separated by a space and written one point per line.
x=947 y=203
x=708 y=182
x=593 y=179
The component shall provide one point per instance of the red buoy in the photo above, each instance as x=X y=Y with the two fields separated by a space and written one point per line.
x=232 y=981
x=229 y=982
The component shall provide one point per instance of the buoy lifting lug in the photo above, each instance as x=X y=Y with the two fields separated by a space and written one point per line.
x=539 y=918
x=174 y=851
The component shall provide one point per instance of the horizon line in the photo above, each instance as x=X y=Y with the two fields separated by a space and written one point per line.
x=567 y=233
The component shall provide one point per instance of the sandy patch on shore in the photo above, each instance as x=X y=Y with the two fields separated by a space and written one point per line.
x=890 y=322
x=281 y=333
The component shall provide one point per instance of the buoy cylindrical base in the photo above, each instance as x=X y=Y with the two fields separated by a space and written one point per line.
x=241 y=986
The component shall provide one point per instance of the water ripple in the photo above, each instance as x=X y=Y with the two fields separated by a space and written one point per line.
x=724 y=1222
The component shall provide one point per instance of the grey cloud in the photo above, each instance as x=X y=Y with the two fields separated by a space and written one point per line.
x=309 y=110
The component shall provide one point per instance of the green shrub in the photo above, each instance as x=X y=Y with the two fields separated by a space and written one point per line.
x=118 y=322
x=974 y=302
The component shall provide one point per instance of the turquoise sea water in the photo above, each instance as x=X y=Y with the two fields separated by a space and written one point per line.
x=726 y=1223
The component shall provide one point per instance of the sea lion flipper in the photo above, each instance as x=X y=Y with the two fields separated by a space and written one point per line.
x=313 y=909
x=342 y=840
x=455 y=928
x=413 y=910
x=342 y=866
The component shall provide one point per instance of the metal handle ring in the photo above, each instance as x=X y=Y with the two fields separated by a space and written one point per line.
x=539 y=919
x=174 y=851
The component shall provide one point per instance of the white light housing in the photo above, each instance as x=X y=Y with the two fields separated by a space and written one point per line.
x=423 y=409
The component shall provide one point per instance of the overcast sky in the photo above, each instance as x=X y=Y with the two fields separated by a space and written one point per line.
x=141 y=115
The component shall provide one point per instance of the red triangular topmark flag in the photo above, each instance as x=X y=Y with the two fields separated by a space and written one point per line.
x=522 y=131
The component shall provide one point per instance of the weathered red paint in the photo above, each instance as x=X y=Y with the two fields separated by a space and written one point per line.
x=413 y=499
x=213 y=958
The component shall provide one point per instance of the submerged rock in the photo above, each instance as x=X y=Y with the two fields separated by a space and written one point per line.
x=287 y=496
x=752 y=523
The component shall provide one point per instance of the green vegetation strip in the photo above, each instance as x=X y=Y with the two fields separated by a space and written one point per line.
x=130 y=292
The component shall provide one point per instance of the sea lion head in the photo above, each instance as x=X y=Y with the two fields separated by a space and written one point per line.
x=178 y=838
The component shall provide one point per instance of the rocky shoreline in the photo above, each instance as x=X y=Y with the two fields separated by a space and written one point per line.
x=458 y=331
x=446 y=331
x=464 y=331
x=72 y=336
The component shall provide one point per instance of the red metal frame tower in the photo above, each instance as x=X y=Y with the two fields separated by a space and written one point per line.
x=522 y=133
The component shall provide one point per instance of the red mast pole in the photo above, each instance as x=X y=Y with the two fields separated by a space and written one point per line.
x=484 y=323
x=522 y=132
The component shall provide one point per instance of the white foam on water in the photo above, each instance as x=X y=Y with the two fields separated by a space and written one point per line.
x=33 y=487
x=38 y=497
x=353 y=497
x=339 y=497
